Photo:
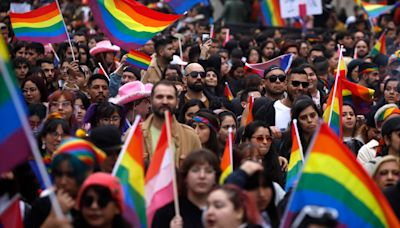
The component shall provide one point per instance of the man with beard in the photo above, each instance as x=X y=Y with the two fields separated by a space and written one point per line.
x=164 y=96
x=277 y=113
x=368 y=74
x=164 y=53
x=194 y=80
x=98 y=88
x=274 y=82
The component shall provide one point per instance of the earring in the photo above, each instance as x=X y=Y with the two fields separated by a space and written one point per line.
x=43 y=145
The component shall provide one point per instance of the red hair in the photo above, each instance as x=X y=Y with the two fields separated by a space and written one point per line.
x=69 y=96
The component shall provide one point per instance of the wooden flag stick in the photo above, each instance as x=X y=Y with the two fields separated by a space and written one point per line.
x=172 y=152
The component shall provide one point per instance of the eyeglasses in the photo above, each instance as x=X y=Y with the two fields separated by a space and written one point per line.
x=298 y=83
x=261 y=138
x=102 y=202
x=195 y=74
x=63 y=104
x=274 y=78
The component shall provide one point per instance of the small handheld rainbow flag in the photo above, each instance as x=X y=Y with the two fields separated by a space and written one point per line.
x=129 y=24
x=332 y=178
x=271 y=13
x=130 y=171
x=333 y=112
x=228 y=92
x=138 y=59
x=250 y=117
x=375 y=10
x=359 y=96
x=380 y=46
x=296 y=158
x=43 y=25
x=227 y=158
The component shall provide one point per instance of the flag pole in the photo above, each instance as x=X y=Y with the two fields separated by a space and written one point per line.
x=335 y=87
x=296 y=130
x=230 y=148
x=180 y=52
x=66 y=31
x=175 y=186
x=126 y=144
x=105 y=73
x=31 y=140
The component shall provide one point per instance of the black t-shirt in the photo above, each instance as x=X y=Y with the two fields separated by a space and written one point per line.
x=190 y=214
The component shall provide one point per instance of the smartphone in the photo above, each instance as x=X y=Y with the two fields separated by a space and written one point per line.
x=205 y=37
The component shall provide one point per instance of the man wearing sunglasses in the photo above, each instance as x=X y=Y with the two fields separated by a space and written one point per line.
x=194 y=79
x=277 y=113
x=274 y=82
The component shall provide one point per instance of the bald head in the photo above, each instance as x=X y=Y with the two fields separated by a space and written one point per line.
x=193 y=67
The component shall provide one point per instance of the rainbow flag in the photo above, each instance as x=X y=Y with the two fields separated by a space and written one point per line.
x=333 y=178
x=359 y=96
x=228 y=92
x=138 y=59
x=130 y=172
x=296 y=159
x=333 y=112
x=227 y=159
x=283 y=61
x=374 y=10
x=129 y=24
x=271 y=13
x=380 y=46
x=250 y=117
x=14 y=144
x=159 y=177
x=43 y=25
x=341 y=66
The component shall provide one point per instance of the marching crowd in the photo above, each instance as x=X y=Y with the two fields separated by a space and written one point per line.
x=82 y=100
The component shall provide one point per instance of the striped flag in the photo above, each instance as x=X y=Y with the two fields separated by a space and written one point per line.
x=228 y=92
x=43 y=25
x=332 y=178
x=159 y=177
x=296 y=159
x=129 y=24
x=333 y=112
x=130 y=171
x=227 y=159
x=359 y=96
x=14 y=143
x=250 y=117
x=283 y=61
x=375 y=10
x=380 y=46
x=138 y=59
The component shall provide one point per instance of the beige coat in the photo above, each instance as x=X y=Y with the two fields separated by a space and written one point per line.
x=184 y=138
x=153 y=73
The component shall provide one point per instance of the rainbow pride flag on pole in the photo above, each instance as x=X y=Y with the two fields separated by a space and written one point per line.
x=380 y=46
x=129 y=24
x=374 y=10
x=130 y=171
x=296 y=159
x=44 y=25
x=228 y=92
x=14 y=144
x=333 y=178
x=333 y=112
x=359 y=96
x=271 y=13
x=138 y=59
x=227 y=158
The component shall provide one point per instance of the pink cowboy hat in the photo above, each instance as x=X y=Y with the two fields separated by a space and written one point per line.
x=132 y=91
x=103 y=46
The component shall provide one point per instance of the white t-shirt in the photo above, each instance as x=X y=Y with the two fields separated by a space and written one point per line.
x=282 y=115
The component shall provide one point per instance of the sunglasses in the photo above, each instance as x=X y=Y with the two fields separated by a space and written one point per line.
x=102 y=202
x=195 y=74
x=261 y=138
x=303 y=84
x=274 y=78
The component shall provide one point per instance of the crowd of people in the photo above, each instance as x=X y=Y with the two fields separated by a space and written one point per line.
x=87 y=95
